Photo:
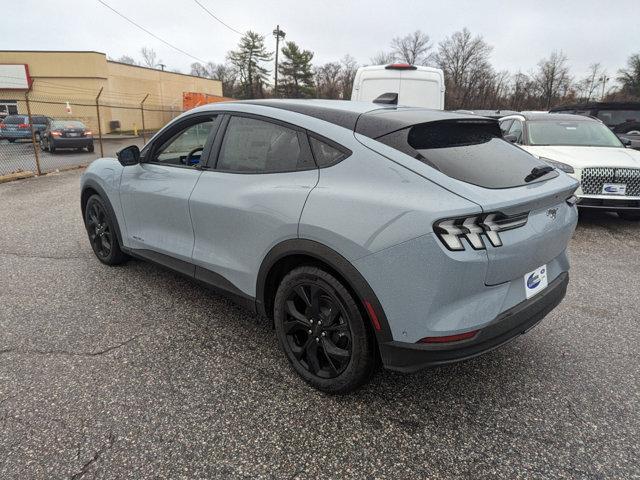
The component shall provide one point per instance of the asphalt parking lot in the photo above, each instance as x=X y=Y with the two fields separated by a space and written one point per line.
x=135 y=372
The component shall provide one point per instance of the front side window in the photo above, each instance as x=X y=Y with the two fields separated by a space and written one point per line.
x=614 y=118
x=252 y=145
x=516 y=130
x=505 y=125
x=581 y=134
x=185 y=147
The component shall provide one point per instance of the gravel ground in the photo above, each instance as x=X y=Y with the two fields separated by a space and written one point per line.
x=134 y=372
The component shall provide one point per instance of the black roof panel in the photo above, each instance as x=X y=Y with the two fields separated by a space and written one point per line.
x=369 y=119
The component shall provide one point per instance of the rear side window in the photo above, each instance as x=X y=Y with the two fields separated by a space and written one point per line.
x=325 y=154
x=39 y=119
x=468 y=150
x=255 y=146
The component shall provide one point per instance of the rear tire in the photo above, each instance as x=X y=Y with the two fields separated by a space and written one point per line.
x=90 y=148
x=102 y=232
x=631 y=216
x=322 y=331
x=52 y=148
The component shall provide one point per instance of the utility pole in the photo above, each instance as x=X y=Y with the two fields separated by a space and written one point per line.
x=604 y=79
x=162 y=65
x=278 y=34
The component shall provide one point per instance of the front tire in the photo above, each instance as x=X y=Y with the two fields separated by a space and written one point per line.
x=322 y=331
x=102 y=232
x=629 y=215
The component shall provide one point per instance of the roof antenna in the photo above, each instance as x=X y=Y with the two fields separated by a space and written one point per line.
x=389 y=98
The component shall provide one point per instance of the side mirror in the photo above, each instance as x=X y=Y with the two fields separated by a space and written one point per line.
x=625 y=141
x=129 y=156
x=511 y=138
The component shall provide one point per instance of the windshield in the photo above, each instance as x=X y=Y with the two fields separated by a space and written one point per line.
x=580 y=133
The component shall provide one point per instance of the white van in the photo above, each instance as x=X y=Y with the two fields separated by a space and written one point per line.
x=412 y=85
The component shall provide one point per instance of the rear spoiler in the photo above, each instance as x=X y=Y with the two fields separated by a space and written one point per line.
x=389 y=98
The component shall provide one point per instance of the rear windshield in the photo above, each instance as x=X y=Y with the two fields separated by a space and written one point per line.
x=67 y=124
x=468 y=150
x=15 y=120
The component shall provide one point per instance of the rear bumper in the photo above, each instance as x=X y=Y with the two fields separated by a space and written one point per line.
x=613 y=204
x=80 y=142
x=410 y=357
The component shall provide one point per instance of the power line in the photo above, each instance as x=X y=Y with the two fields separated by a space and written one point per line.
x=150 y=33
x=212 y=15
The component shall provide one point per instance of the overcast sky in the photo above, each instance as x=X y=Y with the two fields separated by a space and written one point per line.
x=521 y=32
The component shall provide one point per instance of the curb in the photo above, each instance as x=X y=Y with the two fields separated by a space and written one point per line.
x=16 y=176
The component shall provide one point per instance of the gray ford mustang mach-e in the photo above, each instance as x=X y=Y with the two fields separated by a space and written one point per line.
x=366 y=232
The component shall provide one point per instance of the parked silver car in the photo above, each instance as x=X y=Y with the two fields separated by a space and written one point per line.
x=366 y=232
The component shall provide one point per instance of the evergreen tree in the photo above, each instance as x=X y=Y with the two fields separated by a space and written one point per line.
x=248 y=61
x=296 y=72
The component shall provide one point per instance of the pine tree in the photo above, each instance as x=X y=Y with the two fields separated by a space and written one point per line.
x=248 y=60
x=296 y=72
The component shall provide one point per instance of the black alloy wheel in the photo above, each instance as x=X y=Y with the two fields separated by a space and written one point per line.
x=102 y=235
x=322 y=331
x=316 y=330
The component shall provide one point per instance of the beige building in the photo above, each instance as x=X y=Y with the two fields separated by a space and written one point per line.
x=66 y=84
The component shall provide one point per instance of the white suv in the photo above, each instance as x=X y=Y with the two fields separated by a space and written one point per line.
x=585 y=148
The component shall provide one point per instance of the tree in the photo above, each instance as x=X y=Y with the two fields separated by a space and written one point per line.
x=226 y=74
x=295 y=72
x=347 y=75
x=328 y=80
x=383 y=58
x=413 y=48
x=587 y=87
x=127 y=59
x=248 y=60
x=199 y=70
x=465 y=62
x=522 y=94
x=149 y=57
x=552 y=78
x=629 y=77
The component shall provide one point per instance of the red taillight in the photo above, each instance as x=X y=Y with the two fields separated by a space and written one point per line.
x=55 y=133
x=372 y=315
x=449 y=338
x=23 y=125
x=88 y=132
x=401 y=66
x=1 y=125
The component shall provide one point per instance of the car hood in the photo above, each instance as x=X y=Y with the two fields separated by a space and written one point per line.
x=583 y=157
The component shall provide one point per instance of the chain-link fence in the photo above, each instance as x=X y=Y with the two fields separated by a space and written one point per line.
x=44 y=134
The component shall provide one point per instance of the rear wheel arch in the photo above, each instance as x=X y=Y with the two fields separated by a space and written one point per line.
x=291 y=254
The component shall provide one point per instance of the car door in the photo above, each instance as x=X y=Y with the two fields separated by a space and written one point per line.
x=250 y=199
x=155 y=193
